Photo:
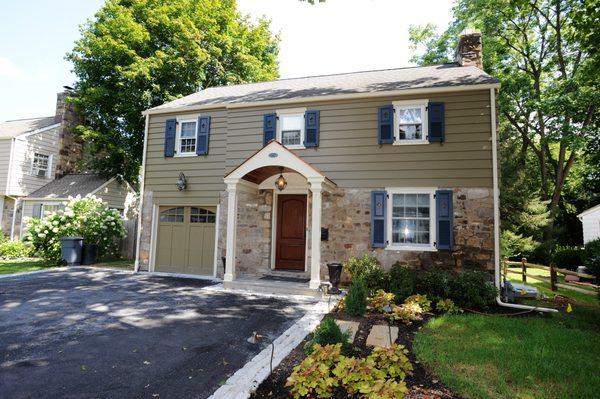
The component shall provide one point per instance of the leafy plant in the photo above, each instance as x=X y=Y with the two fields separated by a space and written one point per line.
x=356 y=299
x=421 y=300
x=380 y=300
x=387 y=389
x=472 y=290
x=14 y=249
x=392 y=361
x=568 y=257
x=434 y=283
x=357 y=375
x=406 y=313
x=327 y=333
x=402 y=280
x=368 y=269
x=313 y=377
x=592 y=257
x=447 y=306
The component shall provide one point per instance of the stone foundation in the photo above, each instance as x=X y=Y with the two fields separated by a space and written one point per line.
x=7 y=218
x=145 y=230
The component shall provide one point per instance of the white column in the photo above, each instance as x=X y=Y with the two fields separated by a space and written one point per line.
x=231 y=230
x=315 y=235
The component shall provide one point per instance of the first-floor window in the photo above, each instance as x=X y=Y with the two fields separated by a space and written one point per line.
x=48 y=209
x=187 y=137
x=40 y=165
x=411 y=218
x=291 y=129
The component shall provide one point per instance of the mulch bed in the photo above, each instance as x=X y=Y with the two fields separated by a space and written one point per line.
x=421 y=384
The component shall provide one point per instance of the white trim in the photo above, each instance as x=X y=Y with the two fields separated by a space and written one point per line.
x=390 y=191
x=316 y=188
x=588 y=211
x=216 y=261
x=48 y=165
x=325 y=98
x=1 y=210
x=142 y=177
x=405 y=104
x=41 y=130
x=232 y=210
x=298 y=112
x=184 y=275
x=10 y=166
x=180 y=123
x=153 y=238
x=14 y=216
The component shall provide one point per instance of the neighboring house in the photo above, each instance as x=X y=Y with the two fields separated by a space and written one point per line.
x=52 y=196
x=288 y=175
x=32 y=153
x=590 y=221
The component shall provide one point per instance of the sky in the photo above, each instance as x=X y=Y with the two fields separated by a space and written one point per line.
x=331 y=37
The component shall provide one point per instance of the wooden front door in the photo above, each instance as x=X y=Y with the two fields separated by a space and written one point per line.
x=290 y=247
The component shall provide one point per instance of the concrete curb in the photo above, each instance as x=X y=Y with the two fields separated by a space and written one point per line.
x=20 y=274
x=248 y=378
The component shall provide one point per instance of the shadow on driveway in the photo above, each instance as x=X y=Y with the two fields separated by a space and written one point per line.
x=109 y=334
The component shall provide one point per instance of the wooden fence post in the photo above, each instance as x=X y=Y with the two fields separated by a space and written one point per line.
x=553 y=277
x=524 y=269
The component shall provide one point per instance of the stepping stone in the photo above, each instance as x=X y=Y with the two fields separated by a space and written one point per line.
x=346 y=325
x=380 y=335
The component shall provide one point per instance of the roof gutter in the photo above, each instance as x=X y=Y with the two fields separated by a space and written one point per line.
x=330 y=97
x=497 y=215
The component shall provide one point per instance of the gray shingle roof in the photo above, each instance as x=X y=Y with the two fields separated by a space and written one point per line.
x=70 y=185
x=18 y=127
x=446 y=75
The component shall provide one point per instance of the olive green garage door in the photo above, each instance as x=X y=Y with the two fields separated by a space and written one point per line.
x=186 y=240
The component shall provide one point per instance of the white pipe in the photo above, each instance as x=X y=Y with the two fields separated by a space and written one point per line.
x=141 y=206
x=497 y=215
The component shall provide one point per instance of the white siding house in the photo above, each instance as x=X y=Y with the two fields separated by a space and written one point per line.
x=590 y=221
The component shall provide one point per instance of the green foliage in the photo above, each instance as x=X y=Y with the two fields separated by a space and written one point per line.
x=591 y=257
x=434 y=283
x=380 y=300
x=137 y=54
x=406 y=313
x=387 y=389
x=402 y=280
x=356 y=299
x=327 y=333
x=447 y=306
x=14 y=249
x=513 y=244
x=368 y=269
x=568 y=257
x=420 y=300
x=87 y=217
x=313 y=377
x=357 y=375
x=392 y=361
x=472 y=290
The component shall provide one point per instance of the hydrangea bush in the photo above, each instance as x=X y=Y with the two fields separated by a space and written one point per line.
x=87 y=217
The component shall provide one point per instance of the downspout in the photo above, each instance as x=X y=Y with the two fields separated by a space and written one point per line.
x=141 y=206
x=14 y=216
x=497 y=216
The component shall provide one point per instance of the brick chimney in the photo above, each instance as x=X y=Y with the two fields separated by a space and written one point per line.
x=70 y=145
x=469 y=51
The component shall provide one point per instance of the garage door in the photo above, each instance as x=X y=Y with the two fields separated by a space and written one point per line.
x=186 y=240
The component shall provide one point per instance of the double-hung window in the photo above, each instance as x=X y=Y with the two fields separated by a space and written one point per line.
x=410 y=122
x=411 y=219
x=186 y=143
x=290 y=128
x=40 y=165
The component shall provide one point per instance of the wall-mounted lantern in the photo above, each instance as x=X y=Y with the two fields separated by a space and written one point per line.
x=181 y=182
x=280 y=182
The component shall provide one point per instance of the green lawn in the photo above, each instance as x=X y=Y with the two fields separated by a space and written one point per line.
x=24 y=265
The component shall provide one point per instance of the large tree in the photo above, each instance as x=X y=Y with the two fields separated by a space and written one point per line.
x=543 y=52
x=136 y=54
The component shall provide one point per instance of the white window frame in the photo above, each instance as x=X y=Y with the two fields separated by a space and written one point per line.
x=48 y=166
x=398 y=105
x=180 y=123
x=292 y=112
x=44 y=210
x=432 y=220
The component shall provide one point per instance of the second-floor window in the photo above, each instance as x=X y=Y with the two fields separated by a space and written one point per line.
x=40 y=165
x=291 y=129
x=410 y=122
x=187 y=138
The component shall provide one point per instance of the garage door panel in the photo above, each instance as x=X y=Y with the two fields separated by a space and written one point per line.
x=178 y=247
x=208 y=249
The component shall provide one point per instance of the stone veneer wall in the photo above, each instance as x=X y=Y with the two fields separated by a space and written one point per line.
x=145 y=230
x=7 y=217
x=71 y=146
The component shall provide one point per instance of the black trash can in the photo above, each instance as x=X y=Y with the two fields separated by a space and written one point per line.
x=70 y=250
x=89 y=254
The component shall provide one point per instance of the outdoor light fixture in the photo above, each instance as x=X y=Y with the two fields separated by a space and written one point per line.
x=181 y=182
x=280 y=183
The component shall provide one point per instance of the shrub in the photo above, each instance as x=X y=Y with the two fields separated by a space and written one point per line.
x=421 y=300
x=380 y=300
x=369 y=270
x=313 y=376
x=447 y=306
x=402 y=281
x=434 y=283
x=356 y=300
x=392 y=361
x=14 y=249
x=327 y=333
x=357 y=375
x=591 y=257
x=568 y=257
x=472 y=290
x=87 y=217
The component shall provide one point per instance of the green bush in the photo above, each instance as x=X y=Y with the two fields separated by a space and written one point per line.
x=472 y=290
x=369 y=270
x=591 y=257
x=356 y=300
x=568 y=257
x=402 y=280
x=434 y=283
x=14 y=249
x=327 y=333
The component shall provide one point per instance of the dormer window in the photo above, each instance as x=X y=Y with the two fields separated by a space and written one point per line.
x=40 y=165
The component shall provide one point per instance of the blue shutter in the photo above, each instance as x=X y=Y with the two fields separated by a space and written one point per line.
x=385 y=129
x=378 y=209
x=311 y=129
x=435 y=117
x=37 y=211
x=170 y=128
x=203 y=135
x=269 y=128
x=445 y=217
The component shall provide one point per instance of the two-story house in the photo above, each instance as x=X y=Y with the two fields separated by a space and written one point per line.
x=280 y=178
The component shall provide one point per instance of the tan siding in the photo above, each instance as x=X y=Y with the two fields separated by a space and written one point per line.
x=114 y=194
x=28 y=211
x=4 y=162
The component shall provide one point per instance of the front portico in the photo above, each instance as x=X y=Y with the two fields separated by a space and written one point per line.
x=258 y=174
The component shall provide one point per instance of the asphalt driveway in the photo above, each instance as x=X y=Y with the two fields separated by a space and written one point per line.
x=108 y=334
